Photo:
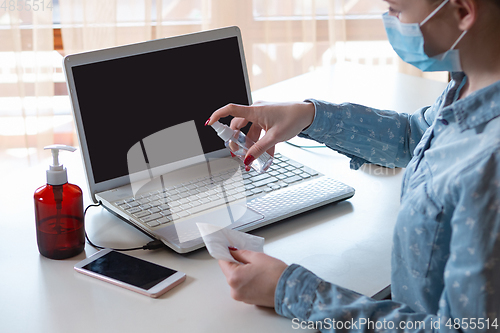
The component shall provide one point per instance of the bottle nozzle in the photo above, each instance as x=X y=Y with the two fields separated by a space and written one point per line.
x=56 y=175
x=223 y=131
x=55 y=152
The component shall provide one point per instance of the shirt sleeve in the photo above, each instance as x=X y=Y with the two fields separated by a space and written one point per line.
x=469 y=301
x=368 y=135
x=309 y=300
x=472 y=272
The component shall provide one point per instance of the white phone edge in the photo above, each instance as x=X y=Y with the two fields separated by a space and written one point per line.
x=155 y=291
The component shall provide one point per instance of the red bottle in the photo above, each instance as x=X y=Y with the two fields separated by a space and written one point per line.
x=60 y=227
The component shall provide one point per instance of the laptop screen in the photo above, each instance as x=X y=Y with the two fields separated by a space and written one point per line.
x=126 y=99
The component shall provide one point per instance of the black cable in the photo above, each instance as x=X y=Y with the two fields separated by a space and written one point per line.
x=153 y=245
x=299 y=146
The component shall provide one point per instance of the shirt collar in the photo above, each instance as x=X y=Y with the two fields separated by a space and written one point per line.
x=477 y=108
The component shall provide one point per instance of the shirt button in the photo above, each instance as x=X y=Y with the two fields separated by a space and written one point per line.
x=444 y=122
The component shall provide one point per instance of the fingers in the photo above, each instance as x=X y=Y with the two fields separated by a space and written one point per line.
x=227 y=267
x=265 y=143
x=243 y=256
x=234 y=110
x=254 y=132
x=238 y=123
x=255 y=281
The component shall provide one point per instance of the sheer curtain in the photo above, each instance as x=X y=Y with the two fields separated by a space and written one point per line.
x=26 y=77
x=282 y=39
x=94 y=24
x=274 y=49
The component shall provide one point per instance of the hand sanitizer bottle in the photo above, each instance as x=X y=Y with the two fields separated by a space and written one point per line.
x=59 y=212
x=239 y=144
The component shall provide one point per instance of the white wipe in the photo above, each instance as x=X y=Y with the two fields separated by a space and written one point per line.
x=217 y=240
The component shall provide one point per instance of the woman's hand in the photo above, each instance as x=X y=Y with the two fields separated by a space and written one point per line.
x=280 y=121
x=254 y=281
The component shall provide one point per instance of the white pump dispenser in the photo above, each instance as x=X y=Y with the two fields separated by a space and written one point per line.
x=57 y=173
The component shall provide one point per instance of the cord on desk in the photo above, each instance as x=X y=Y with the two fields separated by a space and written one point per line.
x=299 y=146
x=153 y=245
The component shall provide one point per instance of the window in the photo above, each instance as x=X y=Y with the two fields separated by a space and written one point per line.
x=283 y=38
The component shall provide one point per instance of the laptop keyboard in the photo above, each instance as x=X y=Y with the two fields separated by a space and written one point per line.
x=176 y=202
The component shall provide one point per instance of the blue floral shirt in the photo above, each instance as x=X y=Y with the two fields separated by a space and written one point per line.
x=446 y=250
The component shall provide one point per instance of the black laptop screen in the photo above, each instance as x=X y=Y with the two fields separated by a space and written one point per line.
x=124 y=100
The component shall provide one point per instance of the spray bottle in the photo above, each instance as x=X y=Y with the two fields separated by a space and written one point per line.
x=239 y=144
x=59 y=212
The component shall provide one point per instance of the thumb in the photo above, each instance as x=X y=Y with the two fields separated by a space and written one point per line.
x=259 y=148
x=243 y=256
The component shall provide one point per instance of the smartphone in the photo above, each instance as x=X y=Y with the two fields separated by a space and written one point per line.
x=131 y=273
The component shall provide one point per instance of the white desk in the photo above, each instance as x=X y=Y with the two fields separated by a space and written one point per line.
x=347 y=243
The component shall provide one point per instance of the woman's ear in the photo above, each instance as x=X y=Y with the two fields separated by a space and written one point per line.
x=465 y=13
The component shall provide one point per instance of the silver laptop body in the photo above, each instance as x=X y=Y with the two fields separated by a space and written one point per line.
x=140 y=111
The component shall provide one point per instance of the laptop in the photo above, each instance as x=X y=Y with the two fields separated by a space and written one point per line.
x=140 y=111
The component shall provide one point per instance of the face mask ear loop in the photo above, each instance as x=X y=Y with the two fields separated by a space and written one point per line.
x=458 y=40
x=453 y=46
x=434 y=12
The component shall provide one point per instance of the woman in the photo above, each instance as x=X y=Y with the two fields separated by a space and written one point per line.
x=446 y=252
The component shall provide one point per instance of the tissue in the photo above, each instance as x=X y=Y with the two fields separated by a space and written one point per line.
x=217 y=240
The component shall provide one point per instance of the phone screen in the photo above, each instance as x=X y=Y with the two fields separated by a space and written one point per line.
x=131 y=270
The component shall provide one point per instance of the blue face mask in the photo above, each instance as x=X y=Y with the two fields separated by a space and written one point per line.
x=408 y=42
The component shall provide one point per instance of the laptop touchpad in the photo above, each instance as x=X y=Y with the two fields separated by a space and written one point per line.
x=231 y=216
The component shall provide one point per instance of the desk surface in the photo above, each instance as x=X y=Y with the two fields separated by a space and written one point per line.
x=348 y=243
